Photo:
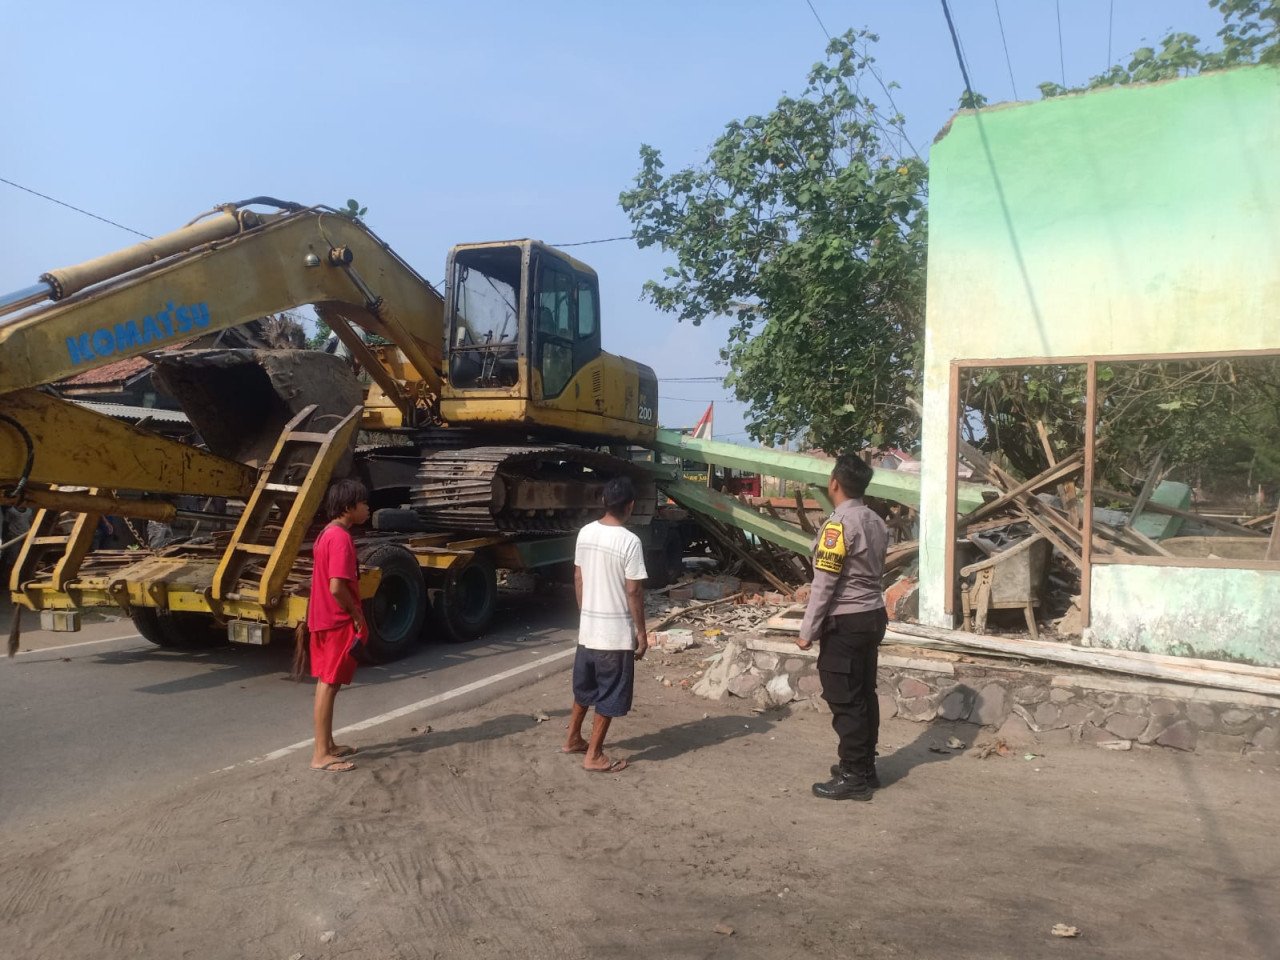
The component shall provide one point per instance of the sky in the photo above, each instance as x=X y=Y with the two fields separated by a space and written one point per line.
x=458 y=122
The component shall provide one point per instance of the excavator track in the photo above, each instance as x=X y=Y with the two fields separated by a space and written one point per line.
x=521 y=489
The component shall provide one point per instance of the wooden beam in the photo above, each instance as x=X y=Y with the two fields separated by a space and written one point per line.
x=1185 y=514
x=1052 y=536
x=1053 y=474
x=1115 y=661
x=1273 y=545
x=718 y=534
x=1148 y=487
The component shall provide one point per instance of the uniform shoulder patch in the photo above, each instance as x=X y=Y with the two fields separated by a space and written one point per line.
x=829 y=557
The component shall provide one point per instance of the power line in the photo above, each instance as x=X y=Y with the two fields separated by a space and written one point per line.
x=45 y=196
x=1062 y=63
x=583 y=243
x=955 y=41
x=818 y=18
x=1111 y=19
x=663 y=396
x=1005 y=43
x=871 y=67
x=690 y=379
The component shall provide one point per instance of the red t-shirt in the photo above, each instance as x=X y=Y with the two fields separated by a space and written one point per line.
x=334 y=556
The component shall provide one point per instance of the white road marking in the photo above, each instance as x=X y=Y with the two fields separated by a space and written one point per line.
x=412 y=708
x=82 y=643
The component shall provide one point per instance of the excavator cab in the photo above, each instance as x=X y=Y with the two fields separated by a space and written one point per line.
x=523 y=346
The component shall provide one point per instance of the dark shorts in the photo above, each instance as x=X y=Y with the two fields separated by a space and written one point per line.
x=604 y=679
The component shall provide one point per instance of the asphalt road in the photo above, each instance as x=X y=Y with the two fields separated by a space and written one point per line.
x=98 y=719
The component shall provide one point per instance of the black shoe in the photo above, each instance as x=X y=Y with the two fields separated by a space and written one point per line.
x=873 y=779
x=847 y=786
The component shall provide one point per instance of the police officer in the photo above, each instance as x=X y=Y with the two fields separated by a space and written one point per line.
x=846 y=615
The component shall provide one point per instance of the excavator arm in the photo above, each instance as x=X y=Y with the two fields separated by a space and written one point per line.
x=231 y=267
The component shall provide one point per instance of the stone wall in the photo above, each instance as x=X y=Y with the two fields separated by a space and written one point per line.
x=1021 y=702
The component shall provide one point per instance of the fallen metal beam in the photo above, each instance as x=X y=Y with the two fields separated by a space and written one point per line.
x=730 y=511
x=885 y=484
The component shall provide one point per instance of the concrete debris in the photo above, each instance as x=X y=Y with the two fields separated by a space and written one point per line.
x=1115 y=744
x=674 y=640
x=540 y=717
x=723 y=929
x=780 y=690
x=1062 y=930
x=328 y=936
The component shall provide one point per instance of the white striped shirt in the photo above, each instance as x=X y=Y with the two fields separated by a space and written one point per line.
x=608 y=557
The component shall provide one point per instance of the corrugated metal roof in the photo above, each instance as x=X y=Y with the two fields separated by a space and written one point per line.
x=122 y=412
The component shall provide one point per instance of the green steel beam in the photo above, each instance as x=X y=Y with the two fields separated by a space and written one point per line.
x=892 y=485
x=730 y=511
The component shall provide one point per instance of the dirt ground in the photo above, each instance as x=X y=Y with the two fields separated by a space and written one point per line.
x=478 y=839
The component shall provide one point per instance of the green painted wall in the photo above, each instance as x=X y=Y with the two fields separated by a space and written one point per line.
x=1134 y=220
x=1218 y=614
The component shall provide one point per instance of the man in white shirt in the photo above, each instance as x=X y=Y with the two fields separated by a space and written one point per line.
x=608 y=576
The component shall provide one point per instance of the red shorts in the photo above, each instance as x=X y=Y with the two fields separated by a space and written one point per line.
x=331 y=659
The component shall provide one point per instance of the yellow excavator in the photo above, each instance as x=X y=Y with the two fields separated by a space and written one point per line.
x=484 y=419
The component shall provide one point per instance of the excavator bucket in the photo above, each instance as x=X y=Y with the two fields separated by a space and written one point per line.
x=240 y=400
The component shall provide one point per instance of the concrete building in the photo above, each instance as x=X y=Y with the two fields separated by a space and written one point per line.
x=1124 y=225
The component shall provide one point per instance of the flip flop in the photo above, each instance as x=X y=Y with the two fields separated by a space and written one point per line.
x=343 y=751
x=615 y=766
x=575 y=750
x=335 y=766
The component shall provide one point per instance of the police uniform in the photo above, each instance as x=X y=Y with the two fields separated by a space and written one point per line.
x=846 y=615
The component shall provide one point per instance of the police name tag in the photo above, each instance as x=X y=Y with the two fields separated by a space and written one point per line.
x=829 y=557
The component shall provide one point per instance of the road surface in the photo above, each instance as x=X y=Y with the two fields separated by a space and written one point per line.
x=100 y=719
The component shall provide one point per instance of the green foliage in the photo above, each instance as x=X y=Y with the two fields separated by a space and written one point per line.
x=353 y=210
x=1214 y=423
x=1250 y=34
x=806 y=229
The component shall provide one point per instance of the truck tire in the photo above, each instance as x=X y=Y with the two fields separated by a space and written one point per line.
x=178 y=631
x=665 y=564
x=466 y=605
x=395 y=613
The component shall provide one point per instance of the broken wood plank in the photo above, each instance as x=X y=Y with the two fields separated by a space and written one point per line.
x=1148 y=485
x=1185 y=514
x=1072 y=555
x=993 y=558
x=1261 y=521
x=801 y=514
x=1273 y=545
x=1043 y=433
x=1052 y=475
x=1135 y=534
x=675 y=615
x=719 y=535
x=1113 y=661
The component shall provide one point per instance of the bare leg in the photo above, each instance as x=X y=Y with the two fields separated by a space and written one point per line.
x=321 y=757
x=573 y=742
x=595 y=758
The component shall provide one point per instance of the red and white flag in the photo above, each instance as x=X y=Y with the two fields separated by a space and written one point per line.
x=702 y=430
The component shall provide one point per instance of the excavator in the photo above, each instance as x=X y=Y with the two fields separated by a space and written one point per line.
x=484 y=420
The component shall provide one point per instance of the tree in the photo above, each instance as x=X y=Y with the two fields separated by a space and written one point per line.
x=805 y=228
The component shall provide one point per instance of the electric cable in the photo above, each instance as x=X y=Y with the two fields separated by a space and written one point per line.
x=61 y=203
x=1062 y=63
x=1005 y=43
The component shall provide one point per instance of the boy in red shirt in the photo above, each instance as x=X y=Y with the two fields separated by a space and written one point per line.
x=334 y=616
